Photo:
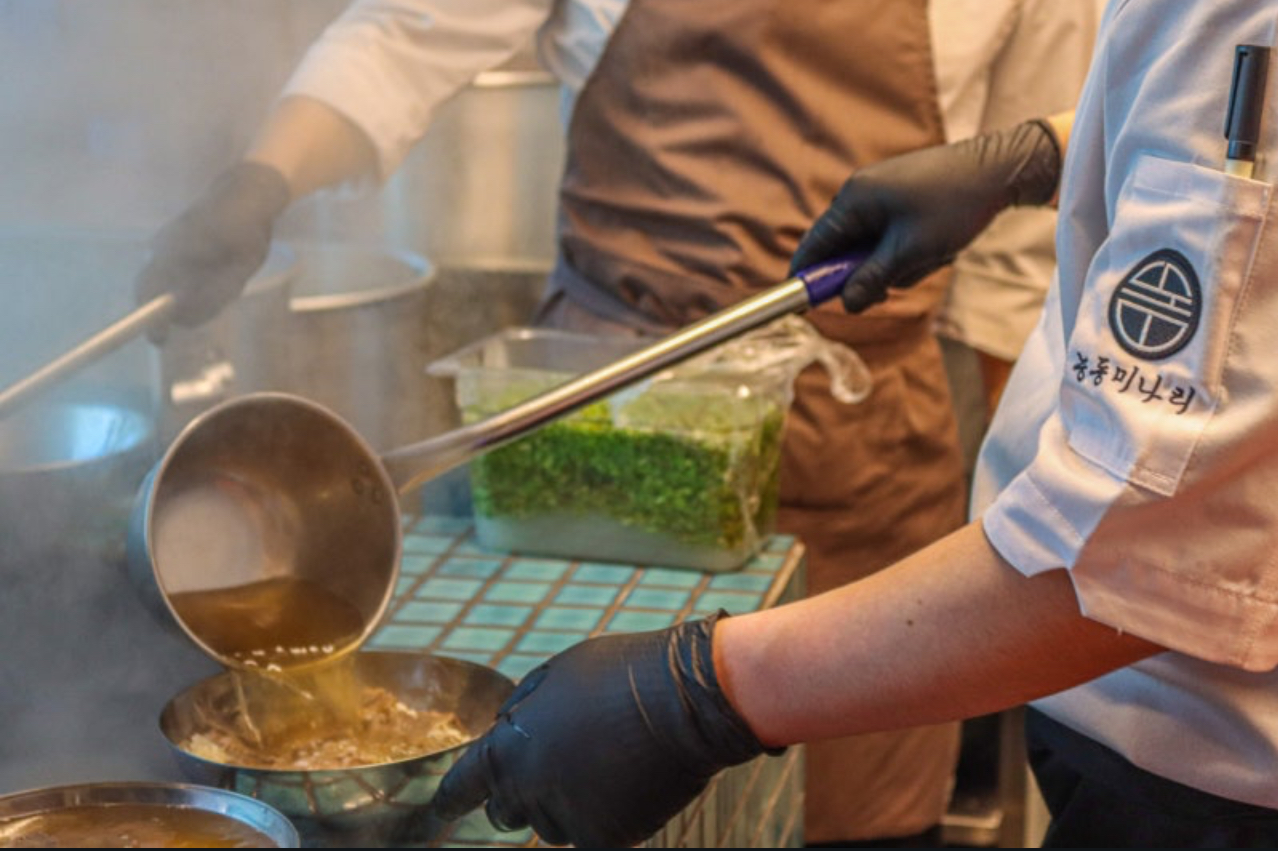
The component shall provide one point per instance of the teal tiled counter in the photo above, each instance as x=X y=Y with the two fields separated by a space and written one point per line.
x=513 y=612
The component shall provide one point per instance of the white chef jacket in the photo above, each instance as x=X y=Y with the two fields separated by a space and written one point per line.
x=388 y=64
x=1137 y=444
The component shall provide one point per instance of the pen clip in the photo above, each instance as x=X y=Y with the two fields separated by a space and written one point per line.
x=1246 y=101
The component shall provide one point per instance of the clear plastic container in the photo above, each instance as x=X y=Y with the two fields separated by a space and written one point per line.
x=680 y=470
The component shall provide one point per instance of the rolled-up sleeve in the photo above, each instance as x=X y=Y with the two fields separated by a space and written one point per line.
x=1137 y=443
x=387 y=65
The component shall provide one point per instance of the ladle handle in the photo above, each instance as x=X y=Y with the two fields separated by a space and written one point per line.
x=410 y=466
x=143 y=319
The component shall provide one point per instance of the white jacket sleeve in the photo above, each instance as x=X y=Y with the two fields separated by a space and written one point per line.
x=1137 y=443
x=388 y=64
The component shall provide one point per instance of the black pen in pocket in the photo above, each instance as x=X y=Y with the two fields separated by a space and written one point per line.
x=1246 y=106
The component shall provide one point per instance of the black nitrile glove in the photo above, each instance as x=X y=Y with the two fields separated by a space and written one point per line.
x=915 y=212
x=605 y=742
x=207 y=254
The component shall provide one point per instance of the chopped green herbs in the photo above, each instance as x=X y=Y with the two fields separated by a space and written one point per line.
x=695 y=462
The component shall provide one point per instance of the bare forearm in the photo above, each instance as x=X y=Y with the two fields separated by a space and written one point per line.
x=313 y=146
x=1062 y=125
x=951 y=632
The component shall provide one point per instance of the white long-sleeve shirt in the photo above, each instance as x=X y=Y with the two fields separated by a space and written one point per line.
x=388 y=64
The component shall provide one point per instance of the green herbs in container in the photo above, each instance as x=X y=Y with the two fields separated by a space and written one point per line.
x=679 y=471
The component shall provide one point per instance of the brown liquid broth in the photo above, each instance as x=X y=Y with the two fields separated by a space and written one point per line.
x=129 y=826
x=274 y=624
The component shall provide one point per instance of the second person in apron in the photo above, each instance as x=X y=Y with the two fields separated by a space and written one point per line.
x=703 y=140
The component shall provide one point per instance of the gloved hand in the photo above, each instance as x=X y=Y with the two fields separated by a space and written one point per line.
x=207 y=254
x=605 y=742
x=915 y=212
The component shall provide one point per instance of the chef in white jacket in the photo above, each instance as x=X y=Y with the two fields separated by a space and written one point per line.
x=1121 y=572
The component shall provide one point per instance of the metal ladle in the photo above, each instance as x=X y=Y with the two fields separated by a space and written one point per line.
x=148 y=316
x=269 y=486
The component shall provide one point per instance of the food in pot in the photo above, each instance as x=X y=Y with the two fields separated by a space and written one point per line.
x=298 y=703
x=383 y=729
x=273 y=624
x=129 y=826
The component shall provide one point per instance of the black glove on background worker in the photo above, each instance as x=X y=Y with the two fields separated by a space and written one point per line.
x=915 y=212
x=606 y=742
x=206 y=255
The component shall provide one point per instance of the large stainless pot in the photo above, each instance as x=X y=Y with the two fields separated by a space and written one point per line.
x=81 y=658
x=357 y=337
x=243 y=350
x=70 y=456
x=364 y=323
x=64 y=284
x=481 y=185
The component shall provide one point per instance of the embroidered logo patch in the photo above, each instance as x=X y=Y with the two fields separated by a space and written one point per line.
x=1154 y=312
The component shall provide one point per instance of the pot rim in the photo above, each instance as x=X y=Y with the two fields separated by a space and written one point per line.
x=414 y=274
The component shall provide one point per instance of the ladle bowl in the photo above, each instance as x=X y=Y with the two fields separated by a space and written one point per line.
x=258 y=498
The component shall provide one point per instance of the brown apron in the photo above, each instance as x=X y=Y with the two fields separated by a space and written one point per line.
x=710 y=136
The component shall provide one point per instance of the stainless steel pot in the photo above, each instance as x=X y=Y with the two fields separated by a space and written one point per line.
x=62 y=285
x=243 y=350
x=364 y=323
x=65 y=284
x=357 y=338
x=272 y=486
x=482 y=184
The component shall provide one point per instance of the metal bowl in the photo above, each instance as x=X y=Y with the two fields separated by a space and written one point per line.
x=358 y=336
x=68 y=475
x=175 y=798
x=372 y=805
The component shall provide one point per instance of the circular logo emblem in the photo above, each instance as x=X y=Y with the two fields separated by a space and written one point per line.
x=1155 y=310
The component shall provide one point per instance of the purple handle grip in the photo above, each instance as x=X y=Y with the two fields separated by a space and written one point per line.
x=825 y=280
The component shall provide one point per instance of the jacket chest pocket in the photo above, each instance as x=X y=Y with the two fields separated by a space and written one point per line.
x=1145 y=359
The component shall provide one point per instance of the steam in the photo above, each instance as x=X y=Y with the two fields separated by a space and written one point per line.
x=116 y=113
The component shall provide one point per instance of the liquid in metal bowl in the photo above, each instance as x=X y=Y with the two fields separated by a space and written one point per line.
x=102 y=815
x=371 y=805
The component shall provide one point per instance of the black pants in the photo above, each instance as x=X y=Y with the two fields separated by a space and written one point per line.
x=1097 y=799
